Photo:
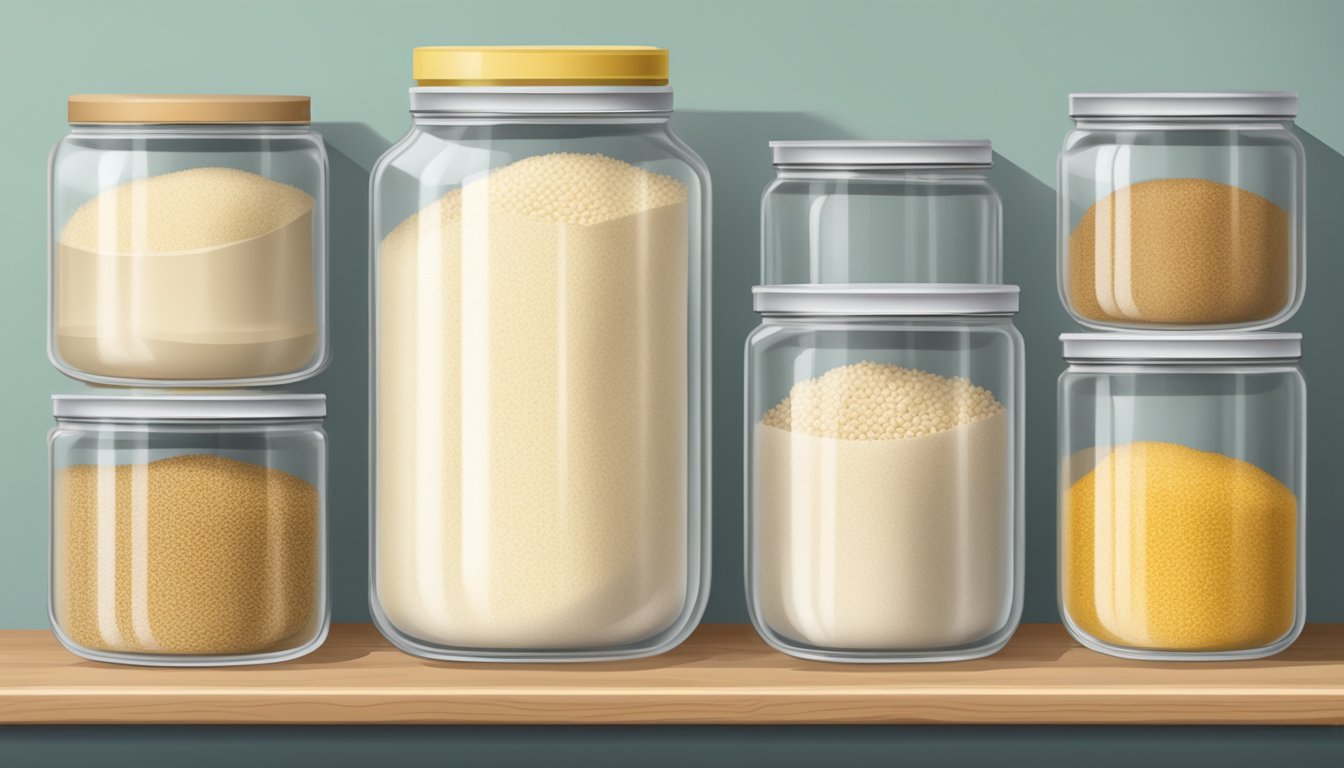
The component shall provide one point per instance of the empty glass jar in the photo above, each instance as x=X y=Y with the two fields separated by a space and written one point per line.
x=1182 y=210
x=881 y=212
x=884 y=471
x=1182 y=482
x=188 y=241
x=541 y=339
x=189 y=530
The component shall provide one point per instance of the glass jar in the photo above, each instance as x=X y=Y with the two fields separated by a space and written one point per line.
x=881 y=212
x=884 y=471
x=189 y=530
x=541 y=361
x=1182 y=494
x=1182 y=211
x=188 y=241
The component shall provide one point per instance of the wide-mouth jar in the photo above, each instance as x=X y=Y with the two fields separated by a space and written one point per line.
x=540 y=277
x=1182 y=211
x=1182 y=492
x=884 y=486
x=881 y=212
x=189 y=530
x=188 y=241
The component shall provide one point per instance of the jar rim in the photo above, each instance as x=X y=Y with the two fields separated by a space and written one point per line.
x=220 y=408
x=1265 y=105
x=843 y=154
x=886 y=299
x=540 y=100
x=1181 y=347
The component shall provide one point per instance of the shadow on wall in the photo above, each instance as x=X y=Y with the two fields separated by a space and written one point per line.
x=1029 y=262
x=1323 y=366
x=352 y=149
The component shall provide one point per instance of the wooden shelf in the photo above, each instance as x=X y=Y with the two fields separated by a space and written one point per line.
x=723 y=674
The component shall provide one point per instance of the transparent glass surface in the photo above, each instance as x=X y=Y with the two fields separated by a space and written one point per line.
x=188 y=255
x=877 y=226
x=884 y=498
x=189 y=544
x=1182 y=509
x=540 y=324
x=1171 y=225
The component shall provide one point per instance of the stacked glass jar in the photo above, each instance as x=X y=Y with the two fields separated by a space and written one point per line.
x=1182 y=441
x=884 y=407
x=188 y=250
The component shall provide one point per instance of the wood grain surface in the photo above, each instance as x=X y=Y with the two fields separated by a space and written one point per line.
x=723 y=674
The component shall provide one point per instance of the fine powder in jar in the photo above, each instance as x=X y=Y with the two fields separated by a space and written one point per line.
x=1171 y=548
x=1180 y=252
x=196 y=554
x=884 y=511
x=205 y=273
x=532 y=409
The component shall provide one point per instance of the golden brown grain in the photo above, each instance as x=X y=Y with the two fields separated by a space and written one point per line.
x=1170 y=548
x=1180 y=252
x=195 y=554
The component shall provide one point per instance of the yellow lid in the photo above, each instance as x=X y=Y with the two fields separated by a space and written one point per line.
x=540 y=65
x=186 y=108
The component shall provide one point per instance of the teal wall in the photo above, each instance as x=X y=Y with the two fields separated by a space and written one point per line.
x=745 y=72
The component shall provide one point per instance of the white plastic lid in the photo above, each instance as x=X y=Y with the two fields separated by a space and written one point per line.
x=1197 y=104
x=188 y=407
x=1180 y=347
x=886 y=299
x=975 y=153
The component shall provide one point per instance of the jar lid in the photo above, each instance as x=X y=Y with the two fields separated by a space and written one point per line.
x=148 y=109
x=513 y=65
x=188 y=407
x=1196 y=104
x=886 y=299
x=974 y=153
x=1180 y=347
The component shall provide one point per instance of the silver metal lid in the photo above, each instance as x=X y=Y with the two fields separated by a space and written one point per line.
x=976 y=153
x=540 y=100
x=188 y=407
x=1180 y=347
x=886 y=299
x=1195 y=104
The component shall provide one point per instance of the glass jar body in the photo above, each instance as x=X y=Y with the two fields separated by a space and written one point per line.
x=540 y=355
x=1182 y=509
x=188 y=544
x=1182 y=225
x=874 y=533
x=188 y=255
x=881 y=226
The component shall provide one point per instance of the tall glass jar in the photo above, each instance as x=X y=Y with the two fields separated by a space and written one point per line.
x=188 y=241
x=884 y=471
x=540 y=352
x=1182 y=494
x=1182 y=211
x=189 y=530
x=881 y=212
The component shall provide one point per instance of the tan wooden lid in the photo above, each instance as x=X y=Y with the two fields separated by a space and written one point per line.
x=187 y=108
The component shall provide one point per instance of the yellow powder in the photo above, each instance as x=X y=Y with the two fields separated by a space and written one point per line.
x=532 y=409
x=200 y=274
x=1170 y=548
x=884 y=511
x=195 y=554
x=1180 y=252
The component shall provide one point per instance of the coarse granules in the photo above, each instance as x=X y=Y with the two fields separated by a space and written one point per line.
x=532 y=409
x=206 y=273
x=196 y=554
x=1180 y=252
x=1171 y=548
x=884 y=511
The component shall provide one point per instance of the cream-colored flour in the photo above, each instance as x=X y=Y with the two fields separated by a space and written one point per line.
x=884 y=512
x=532 y=409
x=205 y=273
